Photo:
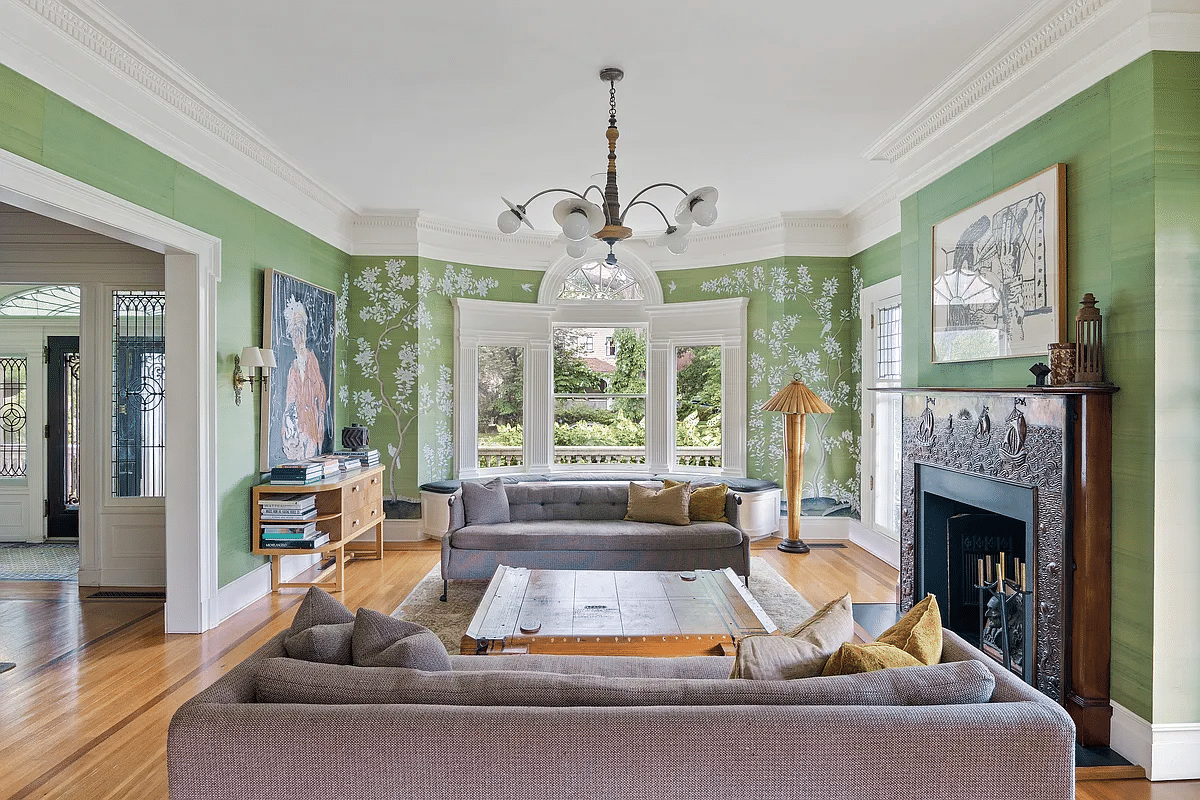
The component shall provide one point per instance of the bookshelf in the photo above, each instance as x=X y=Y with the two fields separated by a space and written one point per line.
x=348 y=507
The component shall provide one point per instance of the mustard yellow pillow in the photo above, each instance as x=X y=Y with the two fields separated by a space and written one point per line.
x=919 y=632
x=669 y=506
x=705 y=503
x=851 y=659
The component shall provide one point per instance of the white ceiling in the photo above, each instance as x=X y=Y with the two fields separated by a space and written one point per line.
x=446 y=106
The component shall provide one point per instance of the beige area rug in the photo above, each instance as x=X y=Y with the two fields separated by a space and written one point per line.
x=449 y=620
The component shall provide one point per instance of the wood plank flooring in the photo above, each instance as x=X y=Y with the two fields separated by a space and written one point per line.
x=85 y=712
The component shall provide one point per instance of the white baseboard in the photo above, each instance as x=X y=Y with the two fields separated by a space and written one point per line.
x=239 y=593
x=877 y=544
x=817 y=528
x=1167 y=751
x=401 y=530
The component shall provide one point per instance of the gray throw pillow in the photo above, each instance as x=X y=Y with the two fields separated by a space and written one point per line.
x=329 y=644
x=319 y=607
x=283 y=680
x=383 y=641
x=801 y=653
x=485 y=503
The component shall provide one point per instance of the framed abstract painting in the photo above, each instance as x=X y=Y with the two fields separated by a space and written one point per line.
x=297 y=405
x=999 y=273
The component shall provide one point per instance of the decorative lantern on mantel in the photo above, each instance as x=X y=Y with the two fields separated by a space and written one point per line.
x=1089 y=349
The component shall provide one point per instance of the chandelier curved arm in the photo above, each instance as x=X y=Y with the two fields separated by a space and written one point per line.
x=550 y=191
x=646 y=203
x=633 y=202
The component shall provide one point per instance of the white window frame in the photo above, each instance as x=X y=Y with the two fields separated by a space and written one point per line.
x=881 y=295
x=670 y=325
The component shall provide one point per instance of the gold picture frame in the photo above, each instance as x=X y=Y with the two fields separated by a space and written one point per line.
x=998 y=286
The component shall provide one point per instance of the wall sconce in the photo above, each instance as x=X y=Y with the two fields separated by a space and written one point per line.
x=251 y=357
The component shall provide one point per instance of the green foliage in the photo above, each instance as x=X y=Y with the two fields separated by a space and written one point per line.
x=630 y=375
x=698 y=385
x=692 y=432
x=501 y=380
x=571 y=373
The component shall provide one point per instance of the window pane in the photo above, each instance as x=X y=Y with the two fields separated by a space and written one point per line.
x=600 y=397
x=600 y=430
x=888 y=408
x=698 y=406
x=12 y=418
x=597 y=280
x=139 y=414
x=501 y=406
x=887 y=343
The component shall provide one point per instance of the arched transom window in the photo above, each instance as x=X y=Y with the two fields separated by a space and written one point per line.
x=596 y=280
x=44 y=301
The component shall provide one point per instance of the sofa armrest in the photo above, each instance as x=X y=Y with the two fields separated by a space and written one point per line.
x=458 y=517
x=240 y=684
x=732 y=501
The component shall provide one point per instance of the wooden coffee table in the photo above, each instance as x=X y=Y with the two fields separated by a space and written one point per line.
x=597 y=612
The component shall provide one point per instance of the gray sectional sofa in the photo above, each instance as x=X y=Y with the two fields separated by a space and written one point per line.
x=582 y=525
x=533 y=727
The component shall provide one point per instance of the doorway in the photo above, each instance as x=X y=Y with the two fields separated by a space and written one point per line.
x=62 y=437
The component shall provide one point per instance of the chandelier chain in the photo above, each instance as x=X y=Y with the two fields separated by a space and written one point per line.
x=612 y=103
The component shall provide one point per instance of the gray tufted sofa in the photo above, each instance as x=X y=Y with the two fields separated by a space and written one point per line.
x=224 y=745
x=568 y=525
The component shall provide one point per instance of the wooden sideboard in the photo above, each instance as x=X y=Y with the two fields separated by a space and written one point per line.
x=347 y=508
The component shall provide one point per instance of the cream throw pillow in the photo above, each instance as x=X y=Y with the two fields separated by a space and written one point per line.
x=668 y=506
x=801 y=653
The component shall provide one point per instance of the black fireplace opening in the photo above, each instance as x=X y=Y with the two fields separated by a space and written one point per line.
x=962 y=519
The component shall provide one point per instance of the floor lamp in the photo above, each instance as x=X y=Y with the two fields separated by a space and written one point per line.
x=794 y=401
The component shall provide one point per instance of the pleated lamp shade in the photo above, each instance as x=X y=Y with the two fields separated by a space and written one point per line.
x=796 y=398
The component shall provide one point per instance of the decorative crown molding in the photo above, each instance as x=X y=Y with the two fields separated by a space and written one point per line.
x=1011 y=52
x=97 y=30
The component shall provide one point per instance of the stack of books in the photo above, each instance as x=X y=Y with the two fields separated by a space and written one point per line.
x=287 y=507
x=298 y=472
x=366 y=458
x=291 y=537
x=329 y=465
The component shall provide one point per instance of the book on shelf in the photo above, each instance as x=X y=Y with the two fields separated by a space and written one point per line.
x=297 y=481
x=293 y=501
x=286 y=515
x=302 y=528
x=311 y=543
x=368 y=458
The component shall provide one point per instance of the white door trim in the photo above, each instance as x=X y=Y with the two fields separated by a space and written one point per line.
x=192 y=267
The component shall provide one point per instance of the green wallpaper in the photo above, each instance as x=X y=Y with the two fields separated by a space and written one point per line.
x=399 y=360
x=802 y=318
x=39 y=125
x=1105 y=138
x=879 y=262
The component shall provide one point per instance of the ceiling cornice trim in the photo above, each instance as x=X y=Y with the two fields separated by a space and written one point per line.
x=96 y=29
x=80 y=51
x=1009 y=53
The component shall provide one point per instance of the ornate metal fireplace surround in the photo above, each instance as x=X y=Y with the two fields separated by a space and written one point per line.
x=1040 y=459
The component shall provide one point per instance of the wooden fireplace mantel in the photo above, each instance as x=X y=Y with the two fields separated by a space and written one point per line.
x=1084 y=596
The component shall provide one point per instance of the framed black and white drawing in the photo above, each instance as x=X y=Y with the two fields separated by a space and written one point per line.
x=999 y=273
x=297 y=406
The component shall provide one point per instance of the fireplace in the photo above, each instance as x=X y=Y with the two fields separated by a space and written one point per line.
x=1026 y=473
x=967 y=518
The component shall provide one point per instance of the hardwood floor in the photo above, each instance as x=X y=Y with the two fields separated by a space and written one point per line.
x=85 y=711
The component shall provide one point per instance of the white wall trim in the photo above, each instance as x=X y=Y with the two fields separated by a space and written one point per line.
x=192 y=269
x=1052 y=52
x=255 y=584
x=880 y=545
x=1167 y=751
x=82 y=52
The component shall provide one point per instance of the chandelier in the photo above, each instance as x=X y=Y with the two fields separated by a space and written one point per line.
x=583 y=221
